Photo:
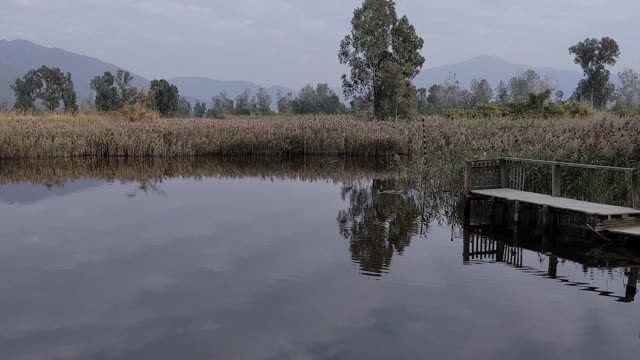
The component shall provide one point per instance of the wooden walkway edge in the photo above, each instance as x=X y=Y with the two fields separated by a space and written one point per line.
x=505 y=179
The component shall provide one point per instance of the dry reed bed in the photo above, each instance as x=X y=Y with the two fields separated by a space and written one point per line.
x=598 y=139
x=60 y=136
x=55 y=172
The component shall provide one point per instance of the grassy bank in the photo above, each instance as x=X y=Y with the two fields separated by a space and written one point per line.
x=93 y=135
x=601 y=138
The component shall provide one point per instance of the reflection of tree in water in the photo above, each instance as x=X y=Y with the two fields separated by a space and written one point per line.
x=380 y=220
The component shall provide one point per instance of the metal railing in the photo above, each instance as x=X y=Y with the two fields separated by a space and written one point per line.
x=509 y=172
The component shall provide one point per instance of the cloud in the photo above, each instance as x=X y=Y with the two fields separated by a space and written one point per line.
x=295 y=42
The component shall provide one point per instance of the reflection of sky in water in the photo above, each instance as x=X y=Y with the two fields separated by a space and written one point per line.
x=250 y=269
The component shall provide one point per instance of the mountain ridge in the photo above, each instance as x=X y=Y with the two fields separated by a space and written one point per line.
x=494 y=69
x=19 y=56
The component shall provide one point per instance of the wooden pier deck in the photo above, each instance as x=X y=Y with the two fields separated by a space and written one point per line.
x=505 y=180
x=562 y=203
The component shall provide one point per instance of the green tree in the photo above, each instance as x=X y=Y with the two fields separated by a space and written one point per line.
x=69 y=97
x=594 y=56
x=628 y=94
x=380 y=48
x=126 y=92
x=50 y=85
x=528 y=82
x=306 y=101
x=163 y=97
x=245 y=103
x=328 y=101
x=263 y=102
x=26 y=90
x=502 y=93
x=422 y=101
x=106 y=92
x=184 y=108
x=286 y=103
x=199 y=109
x=449 y=95
x=559 y=96
x=51 y=93
x=481 y=92
x=221 y=106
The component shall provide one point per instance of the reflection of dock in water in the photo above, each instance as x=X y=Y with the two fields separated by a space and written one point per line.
x=488 y=241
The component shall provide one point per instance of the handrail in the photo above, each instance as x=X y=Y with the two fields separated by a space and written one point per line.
x=568 y=164
x=560 y=163
x=556 y=174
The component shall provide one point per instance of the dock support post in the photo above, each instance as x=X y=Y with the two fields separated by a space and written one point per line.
x=552 y=270
x=504 y=174
x=492 y=211
x=516 y=211
x=545 y=219
x=467 y=178
x=556 y=181
x=635 y=189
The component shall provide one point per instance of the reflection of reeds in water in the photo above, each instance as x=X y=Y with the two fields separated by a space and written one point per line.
x=149 y=170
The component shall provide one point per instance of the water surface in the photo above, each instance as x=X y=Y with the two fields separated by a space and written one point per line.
x=288 y=260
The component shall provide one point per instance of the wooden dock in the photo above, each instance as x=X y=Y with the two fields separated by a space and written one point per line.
x=505 y=180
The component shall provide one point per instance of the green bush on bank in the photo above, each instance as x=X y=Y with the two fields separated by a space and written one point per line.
x=626 y=111
x=522 y=109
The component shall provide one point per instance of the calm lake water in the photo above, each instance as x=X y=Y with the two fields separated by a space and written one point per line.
x=271 y=260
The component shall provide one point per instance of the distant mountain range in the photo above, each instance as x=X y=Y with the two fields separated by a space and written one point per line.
x=494 y=69
x=19 y=56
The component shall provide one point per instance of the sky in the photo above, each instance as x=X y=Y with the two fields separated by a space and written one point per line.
x=294 y=42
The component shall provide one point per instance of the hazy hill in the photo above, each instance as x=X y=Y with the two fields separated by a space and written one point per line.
x=19 y=56
x=494 y=69
x=204 y=88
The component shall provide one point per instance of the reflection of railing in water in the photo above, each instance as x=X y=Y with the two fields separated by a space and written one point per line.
x=480 y=246
x=484 y=243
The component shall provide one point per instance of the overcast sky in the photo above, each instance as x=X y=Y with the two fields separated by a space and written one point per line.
x=293 y=42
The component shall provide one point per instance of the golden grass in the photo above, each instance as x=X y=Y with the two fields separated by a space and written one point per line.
x=94 y=135
x=601 y=138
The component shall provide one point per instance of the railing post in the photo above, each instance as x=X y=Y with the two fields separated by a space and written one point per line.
x=556 y=181
x=467 y=178
x=504 y=174
x=635 y=188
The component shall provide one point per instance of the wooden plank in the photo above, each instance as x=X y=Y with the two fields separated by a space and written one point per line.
x=557 y=202
x=627 y=230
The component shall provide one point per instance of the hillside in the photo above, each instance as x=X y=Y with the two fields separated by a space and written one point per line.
x=204 y=88
x=494 y=69
x=19 y=56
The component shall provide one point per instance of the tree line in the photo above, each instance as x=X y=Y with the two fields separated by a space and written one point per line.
x=115 y=92
x=382 y=52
